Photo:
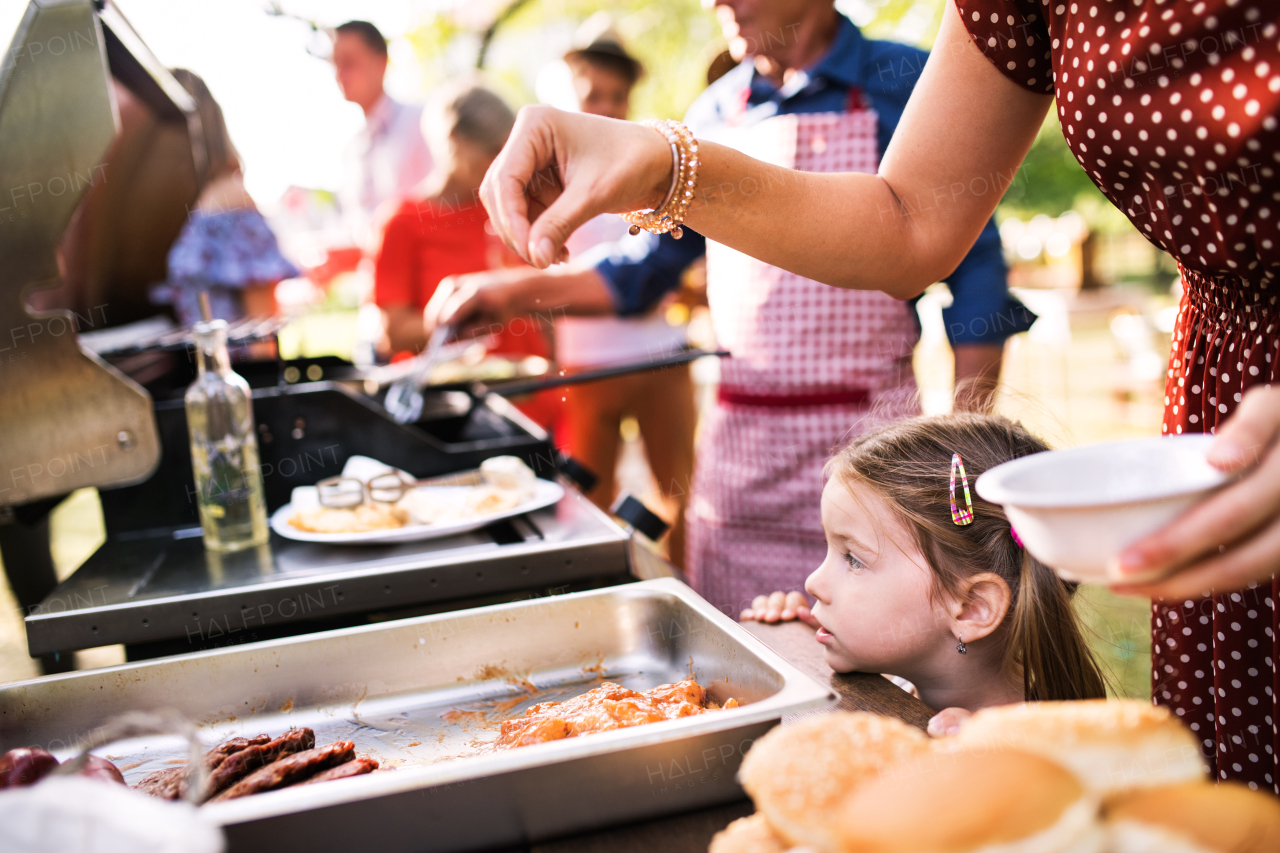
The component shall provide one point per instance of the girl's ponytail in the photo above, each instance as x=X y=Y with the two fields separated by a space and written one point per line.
x=1045 y=639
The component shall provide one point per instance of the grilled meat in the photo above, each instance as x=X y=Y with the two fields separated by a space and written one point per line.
x=171 y=783
x=354 y=767
x=240 y=764
x=290 y=769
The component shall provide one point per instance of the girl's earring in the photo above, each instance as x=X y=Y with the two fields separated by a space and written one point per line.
x=961 y=647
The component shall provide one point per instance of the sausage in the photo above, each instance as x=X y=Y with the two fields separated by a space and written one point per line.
x=25 y=766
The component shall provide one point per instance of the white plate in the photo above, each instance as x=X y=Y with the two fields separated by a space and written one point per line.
x=545 y=494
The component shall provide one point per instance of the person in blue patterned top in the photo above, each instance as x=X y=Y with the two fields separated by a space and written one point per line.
x=226 y=248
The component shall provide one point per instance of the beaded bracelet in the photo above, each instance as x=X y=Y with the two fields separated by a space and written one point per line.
x=669 y=215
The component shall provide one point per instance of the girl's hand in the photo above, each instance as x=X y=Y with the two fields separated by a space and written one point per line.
x=948 y=721
x=560 y=169
x=1233 y=538
x=779 y=607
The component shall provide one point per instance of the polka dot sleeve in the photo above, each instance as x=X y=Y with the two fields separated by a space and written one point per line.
x=1013 y=34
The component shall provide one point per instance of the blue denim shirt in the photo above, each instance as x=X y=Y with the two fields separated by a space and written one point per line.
x=641 y=270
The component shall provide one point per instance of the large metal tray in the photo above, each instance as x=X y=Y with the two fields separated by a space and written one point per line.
x=389 y=688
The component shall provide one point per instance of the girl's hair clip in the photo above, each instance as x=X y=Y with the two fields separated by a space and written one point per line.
x=960 y=516
x=1016 y=537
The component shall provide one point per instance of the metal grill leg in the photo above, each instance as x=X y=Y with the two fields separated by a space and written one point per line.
x=28 y=564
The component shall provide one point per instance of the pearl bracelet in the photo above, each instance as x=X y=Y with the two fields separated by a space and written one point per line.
x=669 y=215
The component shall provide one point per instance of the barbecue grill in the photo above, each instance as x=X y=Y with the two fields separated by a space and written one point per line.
x=152 y=586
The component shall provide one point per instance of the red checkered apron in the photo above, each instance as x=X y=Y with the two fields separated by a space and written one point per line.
x=811 y=367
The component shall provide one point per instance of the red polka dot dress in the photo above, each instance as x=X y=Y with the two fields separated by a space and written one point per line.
x=1171 y=107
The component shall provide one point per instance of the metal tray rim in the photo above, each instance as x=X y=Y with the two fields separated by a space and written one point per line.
x=799 y=692
x=515 y=549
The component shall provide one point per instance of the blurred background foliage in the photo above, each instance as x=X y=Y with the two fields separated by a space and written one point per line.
x=677 y=41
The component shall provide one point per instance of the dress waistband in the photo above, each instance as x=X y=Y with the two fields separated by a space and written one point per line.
x=843 y=397
x=1228 y=300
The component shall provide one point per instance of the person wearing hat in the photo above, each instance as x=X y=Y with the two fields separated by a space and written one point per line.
x=811 y=365
x=601 y=76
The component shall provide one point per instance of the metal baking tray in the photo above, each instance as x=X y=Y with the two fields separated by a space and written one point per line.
x=411 y=694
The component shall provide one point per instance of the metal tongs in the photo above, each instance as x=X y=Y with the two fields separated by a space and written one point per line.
x=404 y=397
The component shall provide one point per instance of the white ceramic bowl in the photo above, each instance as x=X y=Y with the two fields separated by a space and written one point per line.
x=1077 y=509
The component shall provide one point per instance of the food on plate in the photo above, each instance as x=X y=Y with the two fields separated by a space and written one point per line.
x=504 y=482
x=365 y=518
x=427 y=506
x=1193 y=817
x=1112 y=745
x=354 y=767
x=509 y=474
x=290 y=769
x=607 y=707
x=798 y=773
x=1013 y=802
x=508 y=482
x=25 y=766
x=487 y=500
x=751 y=834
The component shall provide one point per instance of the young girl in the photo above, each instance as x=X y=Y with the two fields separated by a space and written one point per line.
x=909 y=588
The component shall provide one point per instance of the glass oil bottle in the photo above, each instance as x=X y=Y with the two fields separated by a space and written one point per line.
x=224 y=447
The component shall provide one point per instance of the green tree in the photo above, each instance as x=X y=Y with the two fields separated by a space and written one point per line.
x=678 y=39
x=1051 y=181
x=675 y=39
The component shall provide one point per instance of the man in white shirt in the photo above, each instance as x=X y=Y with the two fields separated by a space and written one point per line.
x=389 y=156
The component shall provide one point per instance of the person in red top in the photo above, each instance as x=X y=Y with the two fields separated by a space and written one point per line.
x=443 y=230
x=1173 y=109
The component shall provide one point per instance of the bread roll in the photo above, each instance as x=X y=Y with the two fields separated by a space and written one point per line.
x=1111 y=744
x=748 y=835
x=797 y=773
x=1194 y=817
x=1010 y=802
